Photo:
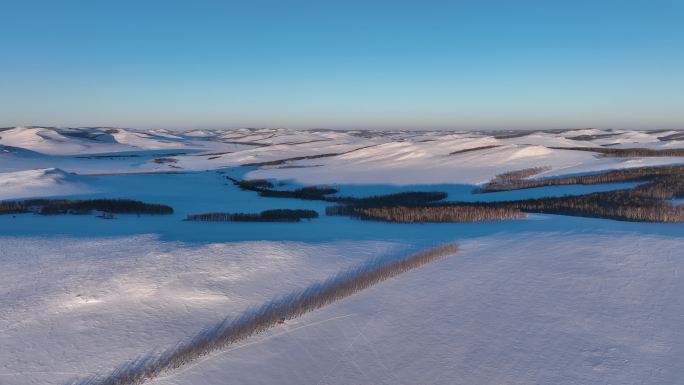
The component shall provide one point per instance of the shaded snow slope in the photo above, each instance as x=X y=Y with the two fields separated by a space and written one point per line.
x=324 y=156
x=40 y=183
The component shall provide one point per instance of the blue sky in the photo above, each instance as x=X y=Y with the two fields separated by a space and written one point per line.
x=479 y=64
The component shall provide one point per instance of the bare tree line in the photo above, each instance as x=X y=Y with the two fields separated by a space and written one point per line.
x=636 y=174
x=474 y=149
x=421 y=214
x=619 y=205
x=276 y=215
x=645 y=202
x=627 y=152
x=323 y=193
x=511 y=176
x=83 y=206
x=255 y=321
x=265 y=188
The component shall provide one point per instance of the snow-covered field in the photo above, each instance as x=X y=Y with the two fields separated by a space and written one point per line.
x=552 y=308
x=348 y=157
x=545 y=300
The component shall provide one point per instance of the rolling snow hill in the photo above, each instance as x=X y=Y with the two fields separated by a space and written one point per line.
x=325 y=156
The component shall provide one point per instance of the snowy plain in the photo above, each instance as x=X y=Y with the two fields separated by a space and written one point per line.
x=544 y=300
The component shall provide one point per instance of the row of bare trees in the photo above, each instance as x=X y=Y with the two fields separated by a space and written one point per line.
x=81 y=206
x=627 y=152
x=614 y=176
x=265 y=189
x=512 y=176
x=276 y=215
x=255 y=321
x=619 y=205
x=447 y=213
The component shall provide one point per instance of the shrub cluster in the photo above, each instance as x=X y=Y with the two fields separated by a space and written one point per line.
x=278 y=215
x=255 y=321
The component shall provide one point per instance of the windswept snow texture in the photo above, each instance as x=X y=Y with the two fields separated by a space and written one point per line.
x=552 y=308
x=546 y=300
x=313 y=157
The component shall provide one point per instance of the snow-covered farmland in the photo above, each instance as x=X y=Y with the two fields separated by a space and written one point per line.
x=544 y=300
x=516 y=309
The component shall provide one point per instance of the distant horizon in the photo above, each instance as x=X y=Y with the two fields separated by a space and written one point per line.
x=376 y=64
x=334 y=129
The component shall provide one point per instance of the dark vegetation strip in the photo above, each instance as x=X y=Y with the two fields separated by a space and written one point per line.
x=592 y=137
x=278 y=162
x=627 y=152
x=643 y=203
x=423 y=214
x=283 y=161
x=617 y=205
x=258 y=320
x=256 y=144
x=265 y=188
x=277 y=215
x=675 y=136
x=512 y=176
x=108 y=157
x=474 y=149
x=64 y=206
x=638 y=174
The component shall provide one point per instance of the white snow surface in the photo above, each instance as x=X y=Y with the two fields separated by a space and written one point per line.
x=554 y=308
x=327 y=157
x=40 y=183
x=578 y=306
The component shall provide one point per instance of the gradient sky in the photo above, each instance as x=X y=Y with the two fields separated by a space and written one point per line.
x=477 y=64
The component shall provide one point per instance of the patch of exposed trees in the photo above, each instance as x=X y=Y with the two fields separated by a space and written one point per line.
x=639 y=174
x=618 y=205
x=436 y=213
x=165 y=160
x=643 y=203
x=293 y=159
x=254 y=321
x=627 y=152
x=512 y=176
x=265 y=188
x=474 y=149
x=277 y=215
x=83 y=207
x=323 y=193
